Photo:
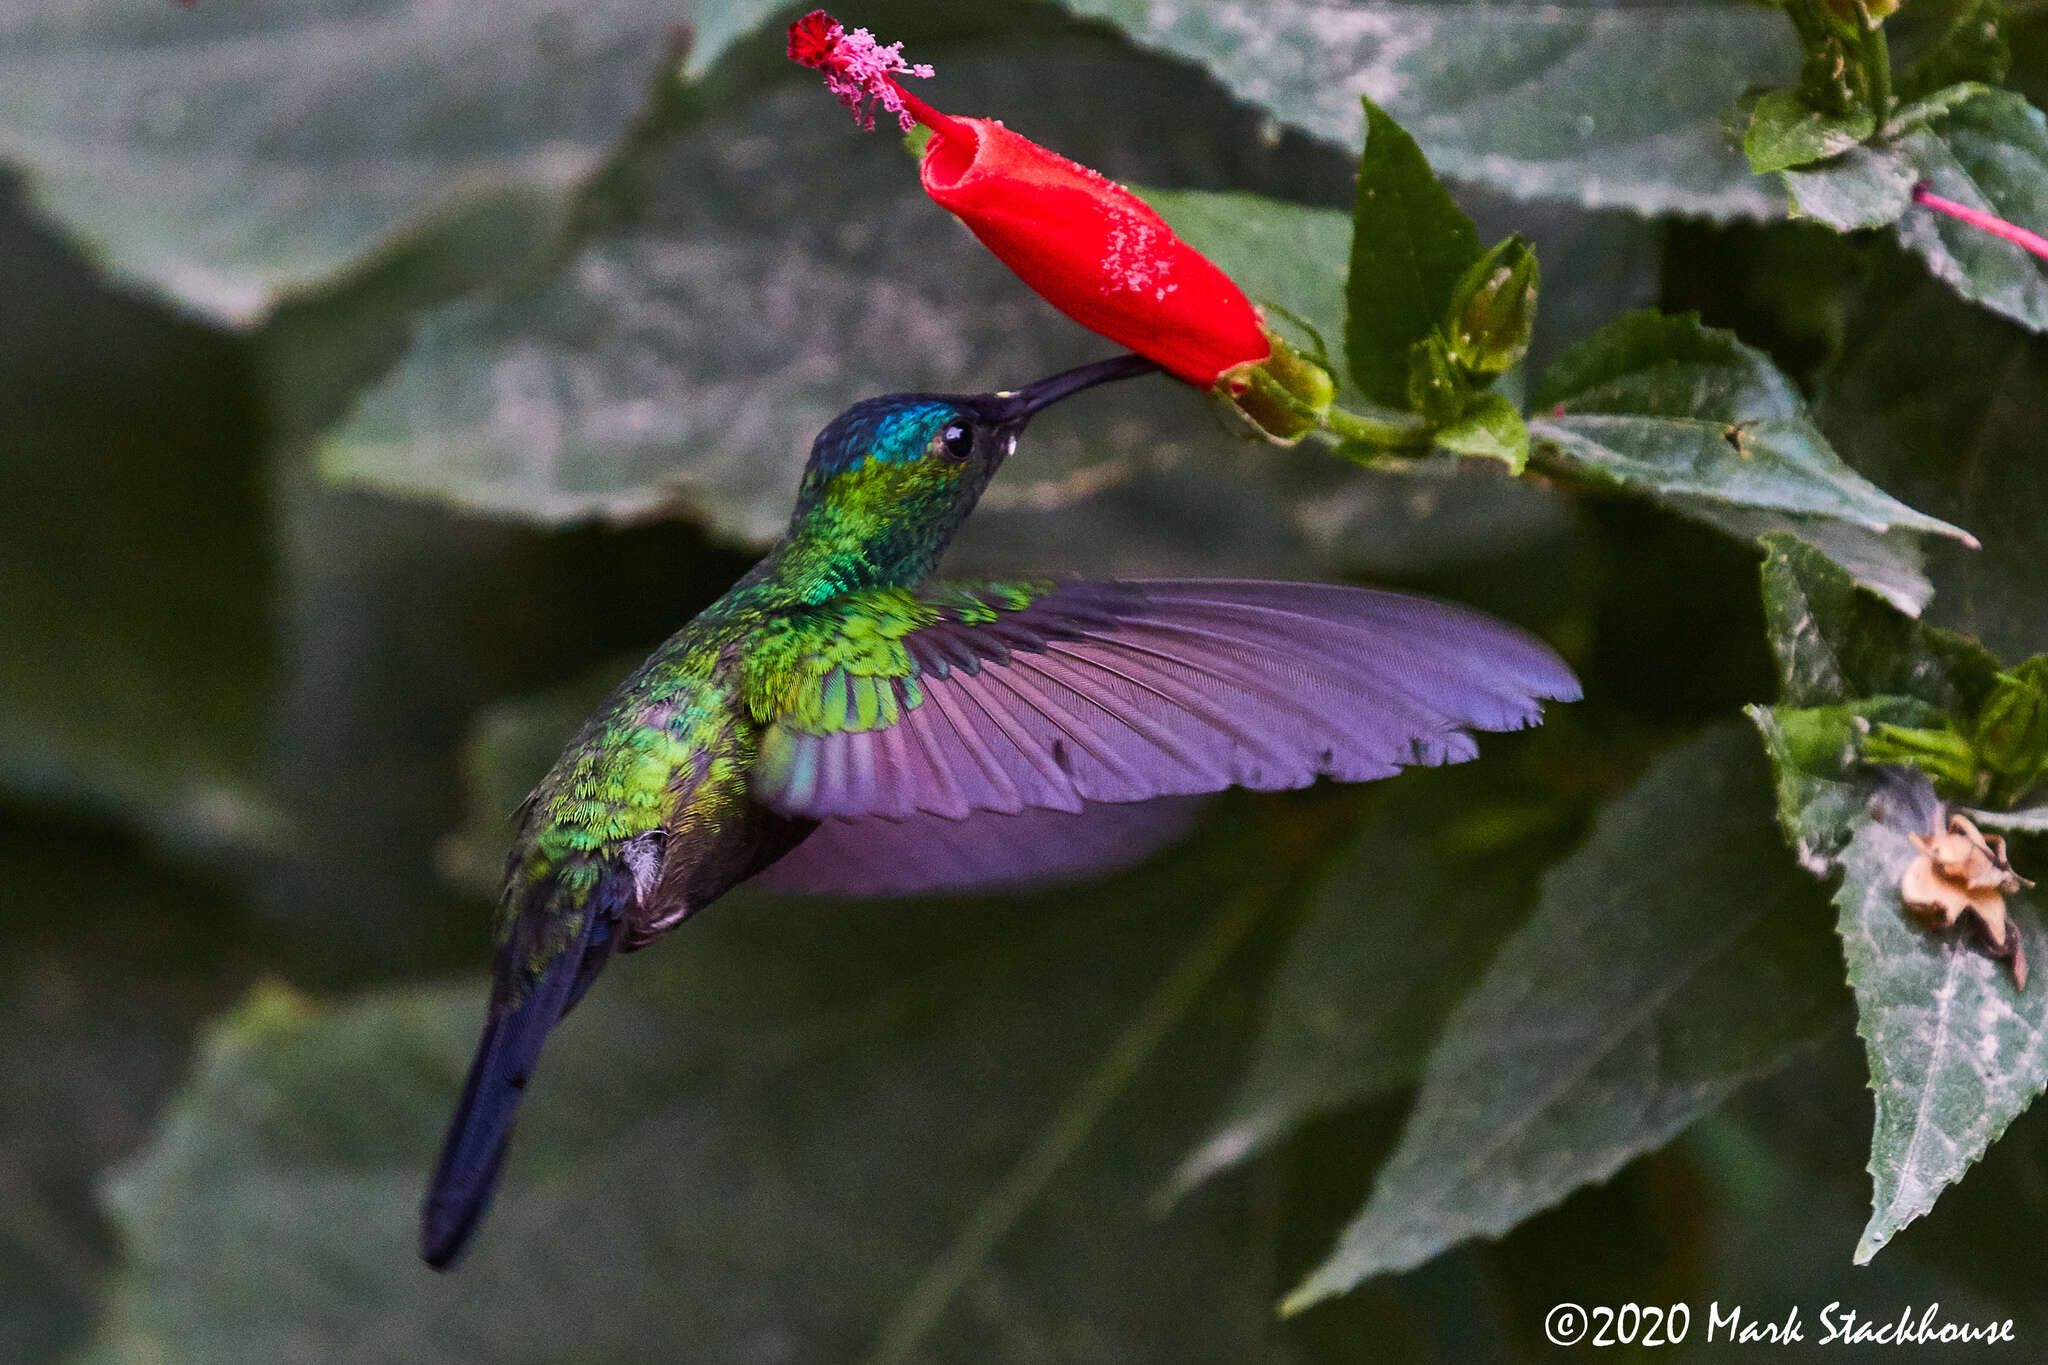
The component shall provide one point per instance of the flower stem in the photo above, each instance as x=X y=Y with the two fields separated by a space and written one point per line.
x=1385 y=427
x=1984 y=222
x=1877 y=64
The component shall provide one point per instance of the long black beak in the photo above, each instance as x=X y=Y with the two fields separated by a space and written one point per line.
x=1016 y=406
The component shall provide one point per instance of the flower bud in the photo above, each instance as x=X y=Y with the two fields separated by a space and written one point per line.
x=1493 y=309
x=2011 y=732
x=1285 y=396
x=1943 y=754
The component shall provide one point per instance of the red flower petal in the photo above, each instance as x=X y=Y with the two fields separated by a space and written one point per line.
x=1093 y=250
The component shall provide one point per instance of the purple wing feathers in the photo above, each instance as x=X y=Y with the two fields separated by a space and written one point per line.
x=1108 y=693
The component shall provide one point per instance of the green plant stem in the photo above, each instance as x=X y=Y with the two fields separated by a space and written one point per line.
x=1384 y=427
x=1877 y=65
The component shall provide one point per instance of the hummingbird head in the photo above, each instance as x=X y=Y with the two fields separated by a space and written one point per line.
x=891 y=478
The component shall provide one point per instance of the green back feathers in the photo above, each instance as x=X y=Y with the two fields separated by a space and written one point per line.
x=844 y=665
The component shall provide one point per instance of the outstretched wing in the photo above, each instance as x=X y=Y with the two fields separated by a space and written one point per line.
x=867 y=855
x=1056 y=696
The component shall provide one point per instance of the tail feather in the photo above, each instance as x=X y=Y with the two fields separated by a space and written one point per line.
x=474 y=1150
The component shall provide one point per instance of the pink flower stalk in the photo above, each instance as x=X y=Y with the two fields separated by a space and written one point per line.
x=1985 y=222
x=856 y=67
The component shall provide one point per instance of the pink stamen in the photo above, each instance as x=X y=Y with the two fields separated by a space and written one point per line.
x=1985 y=222
x=856 y=68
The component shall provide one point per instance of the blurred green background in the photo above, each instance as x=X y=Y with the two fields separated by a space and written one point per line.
x=378 y=381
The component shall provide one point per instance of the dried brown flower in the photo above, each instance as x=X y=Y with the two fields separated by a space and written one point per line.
x=1966 y=872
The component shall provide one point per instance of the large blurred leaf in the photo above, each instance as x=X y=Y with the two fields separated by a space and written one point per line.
x=1988 y=151
x=1405 y=918
x=1674 y=956
x=1956 y=1049
x=134 y=566
x=228 y=151
x=1940 y=402
x=757 y=1139
x=1603 y=103
x=111 y=961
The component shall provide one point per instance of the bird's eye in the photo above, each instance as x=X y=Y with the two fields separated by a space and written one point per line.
x=957 y=440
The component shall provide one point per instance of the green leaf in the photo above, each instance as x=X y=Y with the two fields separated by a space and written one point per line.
x=1867 y=187
x=1409 y=246
x=1490 y=428
x=228 y=154
x=1990 y=153
x=1664 y=406
x=782 y=1126
x=1939 y=400
x=1673 y=957
x=1871 y=185
x=1403 y=921
x=111 y=962
x=1786 y=131
x=1956 y=1051
x=1986 y=149
x=1602 y=103
x=1782 y=1159
x=1835 y=644
x=135 y=557
x=1437 y=386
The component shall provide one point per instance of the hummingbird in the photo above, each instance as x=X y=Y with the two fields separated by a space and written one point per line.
x=840 y=722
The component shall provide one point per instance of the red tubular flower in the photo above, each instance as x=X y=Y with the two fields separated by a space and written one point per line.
x=1088 y=246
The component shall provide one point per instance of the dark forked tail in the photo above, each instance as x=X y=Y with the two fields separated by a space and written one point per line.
x=474 y=1149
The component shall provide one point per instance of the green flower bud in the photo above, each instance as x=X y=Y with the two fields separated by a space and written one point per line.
x=1285 y=396
x=2011 y=732
x=1943 y=754
x=1493 y=309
